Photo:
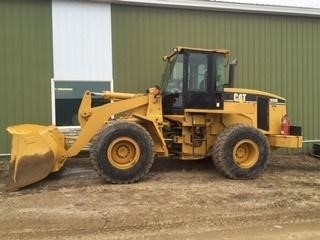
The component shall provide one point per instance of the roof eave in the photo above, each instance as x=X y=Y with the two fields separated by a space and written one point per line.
x=223 y=6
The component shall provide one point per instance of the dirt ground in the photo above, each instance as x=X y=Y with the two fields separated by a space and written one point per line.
x=177 y=200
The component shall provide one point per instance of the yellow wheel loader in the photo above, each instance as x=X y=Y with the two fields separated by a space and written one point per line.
x=194 y=114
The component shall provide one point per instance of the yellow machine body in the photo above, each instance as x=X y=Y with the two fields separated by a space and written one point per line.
x=192 y=134
x=39 y=150
x=212 y=122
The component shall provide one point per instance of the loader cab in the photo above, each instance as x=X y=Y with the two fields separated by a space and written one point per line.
x=193 y=79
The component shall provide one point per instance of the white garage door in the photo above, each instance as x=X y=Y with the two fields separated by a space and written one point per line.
x=82 y=55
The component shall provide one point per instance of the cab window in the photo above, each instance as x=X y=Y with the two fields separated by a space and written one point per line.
x=176 y=75
x=197 y=72
x=220 y=72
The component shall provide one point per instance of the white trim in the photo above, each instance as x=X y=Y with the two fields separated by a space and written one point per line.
x=5 y=154
x=111 y=86
x=53 y=103
x=310 y=141
x=81 y=80
x=223 y=6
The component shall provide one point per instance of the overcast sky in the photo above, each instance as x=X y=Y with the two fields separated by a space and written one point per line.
x=294 y=3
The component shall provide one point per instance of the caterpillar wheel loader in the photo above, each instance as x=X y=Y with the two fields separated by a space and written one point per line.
x=194 y=114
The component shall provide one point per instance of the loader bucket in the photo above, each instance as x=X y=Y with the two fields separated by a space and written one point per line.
x=36 y=152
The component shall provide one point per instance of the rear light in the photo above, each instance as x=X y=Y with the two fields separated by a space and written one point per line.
x=285 y=125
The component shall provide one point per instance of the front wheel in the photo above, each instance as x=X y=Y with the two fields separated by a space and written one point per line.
x=241 y=152
x=122 y=152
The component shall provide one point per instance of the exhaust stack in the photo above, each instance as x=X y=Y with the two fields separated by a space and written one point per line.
x=233 y=73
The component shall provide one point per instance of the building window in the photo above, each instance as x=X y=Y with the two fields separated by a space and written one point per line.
x=67 y=96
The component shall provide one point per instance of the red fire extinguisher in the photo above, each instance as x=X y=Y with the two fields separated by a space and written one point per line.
x=285 y=125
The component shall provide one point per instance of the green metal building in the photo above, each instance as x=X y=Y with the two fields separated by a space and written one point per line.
x=42 y=53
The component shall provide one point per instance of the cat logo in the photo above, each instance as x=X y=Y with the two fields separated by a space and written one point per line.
x=239 y=97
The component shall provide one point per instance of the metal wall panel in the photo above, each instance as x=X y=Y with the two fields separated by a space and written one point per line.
x=25 y=64
x=276 y=53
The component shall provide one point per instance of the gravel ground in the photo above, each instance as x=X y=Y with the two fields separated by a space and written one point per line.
x=177 y=200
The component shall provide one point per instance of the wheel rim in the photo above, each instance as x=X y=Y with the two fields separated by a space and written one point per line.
x=246 y=153
x=123 y=152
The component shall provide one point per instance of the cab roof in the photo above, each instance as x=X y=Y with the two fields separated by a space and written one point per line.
x=191 y=49
x=221 y=51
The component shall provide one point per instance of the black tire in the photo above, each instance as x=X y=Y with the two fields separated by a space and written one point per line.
x=241 y=152
x=122 y=152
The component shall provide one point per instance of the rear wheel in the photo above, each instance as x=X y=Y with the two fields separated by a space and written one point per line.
x=122 y=152
x=241 y=152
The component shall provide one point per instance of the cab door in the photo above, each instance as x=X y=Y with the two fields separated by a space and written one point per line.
x=200 y=88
